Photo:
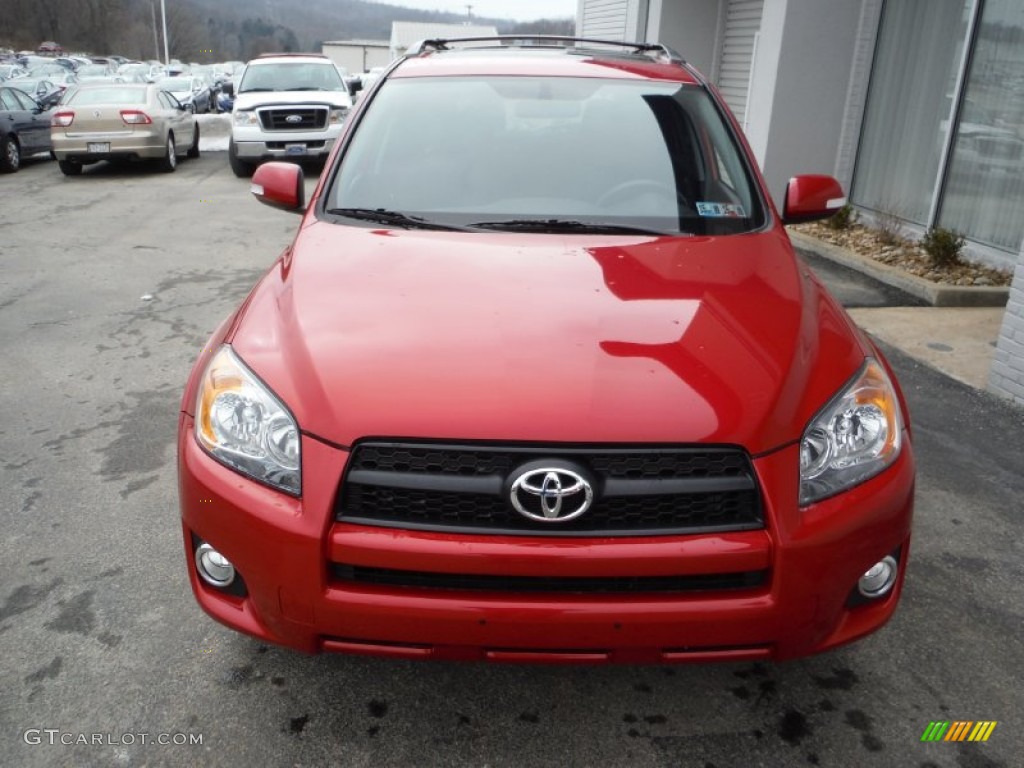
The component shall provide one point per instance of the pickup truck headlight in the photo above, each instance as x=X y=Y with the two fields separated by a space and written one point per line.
x=245 y=117
x=338 y=115
x=853 y=438
x=244 y=426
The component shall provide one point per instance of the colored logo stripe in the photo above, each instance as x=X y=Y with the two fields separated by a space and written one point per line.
x=959 y=730
x=982 y=731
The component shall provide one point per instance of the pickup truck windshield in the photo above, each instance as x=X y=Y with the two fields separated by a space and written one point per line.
x=291 y=76
x=581 y=155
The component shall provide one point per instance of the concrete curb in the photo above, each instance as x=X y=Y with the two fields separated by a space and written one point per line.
x=935 y=294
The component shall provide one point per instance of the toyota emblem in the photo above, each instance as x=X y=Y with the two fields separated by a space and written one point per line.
x=551 y=494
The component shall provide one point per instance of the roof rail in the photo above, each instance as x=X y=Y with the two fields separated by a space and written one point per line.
x=661 y=52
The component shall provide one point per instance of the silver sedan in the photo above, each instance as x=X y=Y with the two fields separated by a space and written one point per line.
x=122 y=121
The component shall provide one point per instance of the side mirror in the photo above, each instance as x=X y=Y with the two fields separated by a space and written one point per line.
x=280 y=185
x=227 y=87
x=811 y=198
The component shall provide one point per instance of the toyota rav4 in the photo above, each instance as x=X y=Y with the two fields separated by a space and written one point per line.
x=541 y=378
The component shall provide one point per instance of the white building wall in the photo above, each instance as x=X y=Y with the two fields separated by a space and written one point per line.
x=605 y=19
x=800 y=88
x=857 y=91
x=358 y=57
x=1007 y=375
x=692 y=32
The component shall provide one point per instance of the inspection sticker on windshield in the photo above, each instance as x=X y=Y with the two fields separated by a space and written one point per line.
x=732 y=210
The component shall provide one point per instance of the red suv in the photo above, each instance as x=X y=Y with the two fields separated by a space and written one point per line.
x=541 y=379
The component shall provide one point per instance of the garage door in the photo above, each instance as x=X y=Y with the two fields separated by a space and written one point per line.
x=742 y=23
x=604 y=19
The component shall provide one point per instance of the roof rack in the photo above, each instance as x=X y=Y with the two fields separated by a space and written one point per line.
x=661 y=52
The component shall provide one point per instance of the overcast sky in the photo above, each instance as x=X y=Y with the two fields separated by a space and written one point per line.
x=520 y=10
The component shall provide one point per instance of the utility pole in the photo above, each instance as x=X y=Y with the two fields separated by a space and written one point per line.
x=156 y=37
x=469 y=13
x=167 y=55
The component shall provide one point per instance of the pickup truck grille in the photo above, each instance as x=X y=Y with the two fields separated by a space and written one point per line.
x=293 y=118
x=465 y=488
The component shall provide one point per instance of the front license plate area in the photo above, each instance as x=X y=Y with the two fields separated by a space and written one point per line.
x=99 y=147
x=295 y=149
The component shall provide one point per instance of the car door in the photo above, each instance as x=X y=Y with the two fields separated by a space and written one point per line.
x=178 y=120
x=200 y=99
x=18 y=119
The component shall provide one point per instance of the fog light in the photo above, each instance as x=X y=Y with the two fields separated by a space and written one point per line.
x=879 y=578
x=213 y=567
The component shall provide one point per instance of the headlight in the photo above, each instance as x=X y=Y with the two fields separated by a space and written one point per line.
x=245 y=117
x=243 y=425
x=338 y=115
x=853 y=438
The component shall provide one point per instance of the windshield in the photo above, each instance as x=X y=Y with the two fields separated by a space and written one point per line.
x=525 y=151
x=291 y=76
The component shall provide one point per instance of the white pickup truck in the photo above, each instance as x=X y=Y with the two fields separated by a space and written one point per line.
x=287 y=107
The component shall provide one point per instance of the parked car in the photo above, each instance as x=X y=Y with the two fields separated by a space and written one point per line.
x=12 y=71
x=190 y=91
x=286 y=106
x=122 y=122
x=24 y=128
x=45 y=92
x=90 y=72
x=49 y=70
x=541 y=378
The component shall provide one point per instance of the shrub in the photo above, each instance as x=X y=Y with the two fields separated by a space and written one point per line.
x=842 y=219
x=889 y=227
x=943 y=246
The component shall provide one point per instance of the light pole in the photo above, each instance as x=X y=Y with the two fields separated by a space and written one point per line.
x=156 y=36
x=167 y=55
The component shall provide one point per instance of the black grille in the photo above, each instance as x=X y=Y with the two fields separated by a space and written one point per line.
x=284 y=119
x=353 y=574
x=637 y=491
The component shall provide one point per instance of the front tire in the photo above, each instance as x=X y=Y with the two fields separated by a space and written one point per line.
x=169 y=163
x=240 y=168
x=10 y=155
x=69 y=169
x=193 y=151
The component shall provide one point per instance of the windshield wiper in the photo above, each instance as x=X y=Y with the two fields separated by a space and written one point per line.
x=396 y=218
x=256 y=90
x=567 y=225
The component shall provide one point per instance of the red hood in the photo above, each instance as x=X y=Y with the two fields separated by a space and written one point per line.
x=539 y=338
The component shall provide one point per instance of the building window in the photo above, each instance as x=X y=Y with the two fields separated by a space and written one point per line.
x=920 y=45
x=923 y=84
x=984 y=191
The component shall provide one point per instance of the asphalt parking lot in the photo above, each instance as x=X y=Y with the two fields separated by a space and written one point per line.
x=111 y=283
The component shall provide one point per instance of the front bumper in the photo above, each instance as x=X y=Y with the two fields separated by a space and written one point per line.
x=252 y=143
x=283 y=548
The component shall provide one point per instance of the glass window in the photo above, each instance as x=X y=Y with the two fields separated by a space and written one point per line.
x=7 y=99
x=984 y=193
x=913 y=81
x=465 y=150
x=24 y=100
x=291 y=76
x=113 y=95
